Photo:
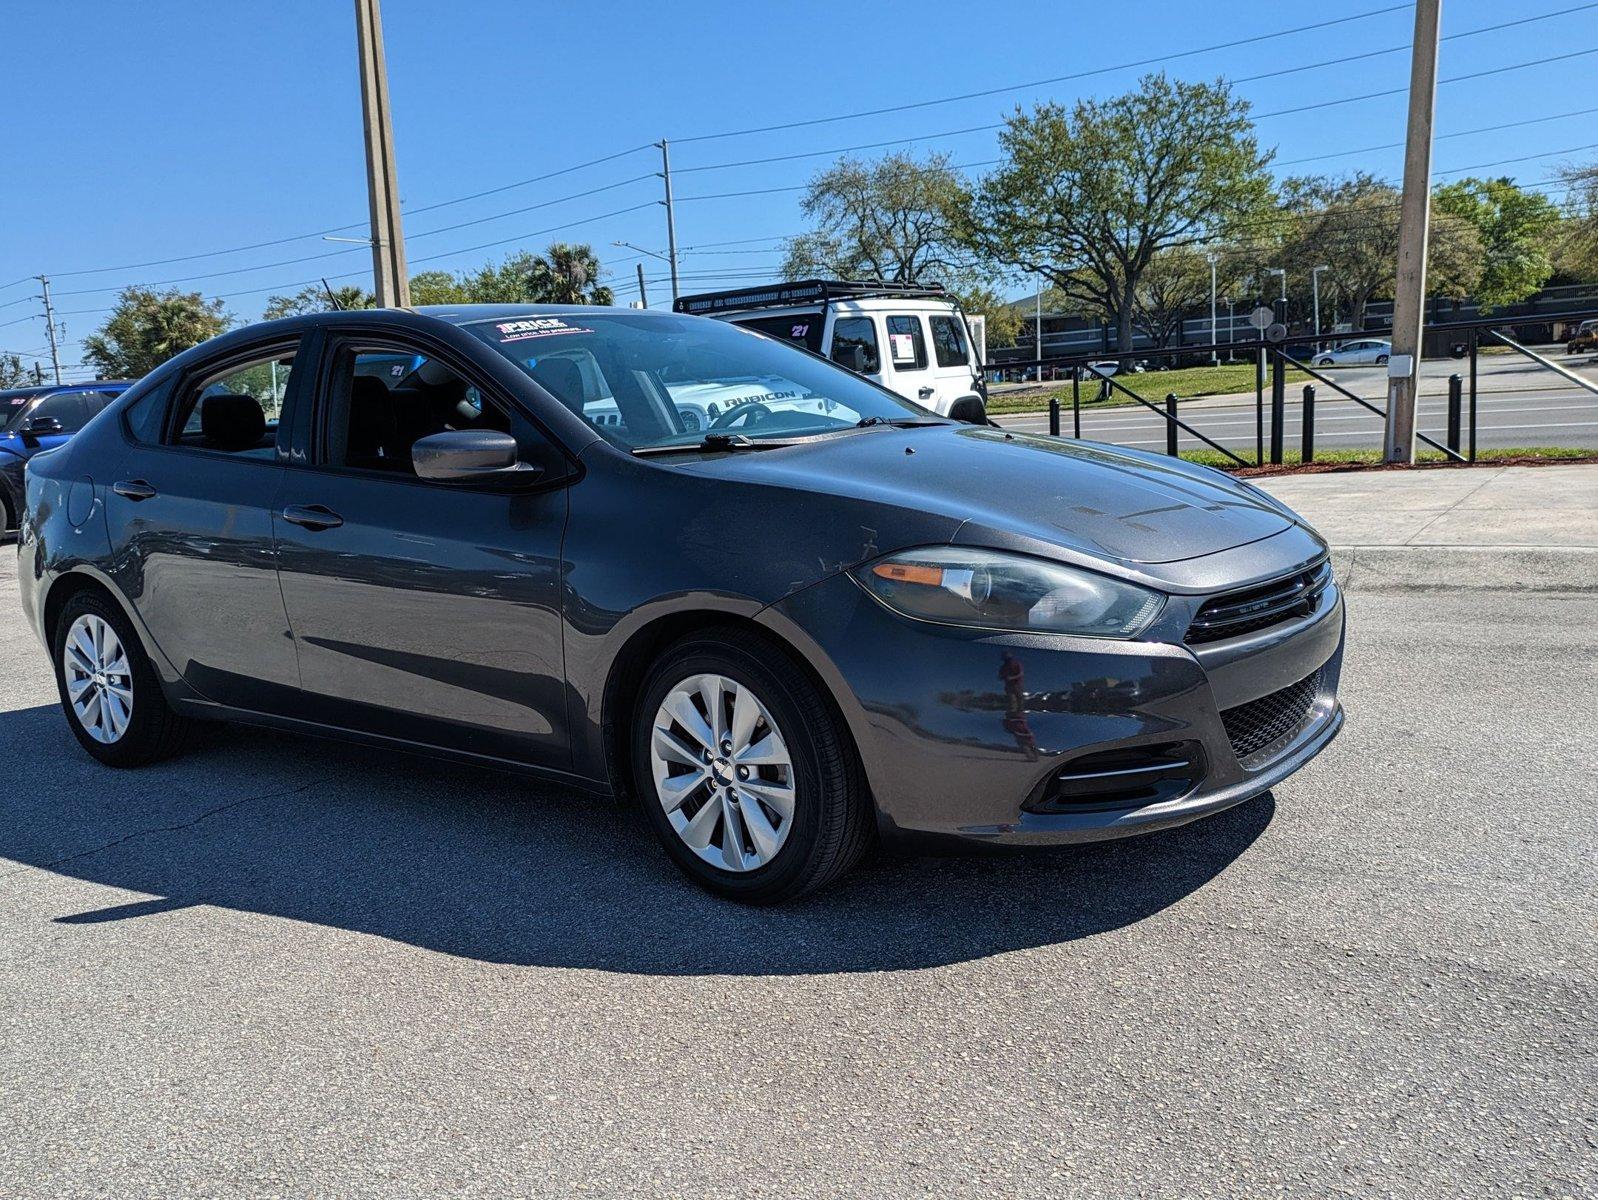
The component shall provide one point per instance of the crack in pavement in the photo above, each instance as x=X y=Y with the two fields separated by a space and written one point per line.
x=139 y=833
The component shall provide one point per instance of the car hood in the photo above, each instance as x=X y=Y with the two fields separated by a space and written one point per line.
x=1083 y=496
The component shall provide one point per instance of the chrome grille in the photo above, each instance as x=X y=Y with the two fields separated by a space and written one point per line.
x=1260 y=607
x=1253 y=726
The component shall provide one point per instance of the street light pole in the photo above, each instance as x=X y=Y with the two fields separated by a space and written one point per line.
x=1282 y=271
x=1315 y=287
x=1214 y=353
x=1414 y=213
x=1037 y=327
x=389 y=278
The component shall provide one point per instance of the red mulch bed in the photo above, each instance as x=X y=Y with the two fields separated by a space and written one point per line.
x=1328 y=468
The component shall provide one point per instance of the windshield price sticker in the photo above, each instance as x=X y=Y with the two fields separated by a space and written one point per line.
x=535 y=327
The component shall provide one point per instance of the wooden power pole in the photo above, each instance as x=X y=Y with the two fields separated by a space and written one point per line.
x=1409 y=297
x=382 y=182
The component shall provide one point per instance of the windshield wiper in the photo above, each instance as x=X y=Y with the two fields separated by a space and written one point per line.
x=710 y=442
x=896 y=422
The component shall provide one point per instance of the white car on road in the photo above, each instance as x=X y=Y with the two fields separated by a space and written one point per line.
x=1364 y=353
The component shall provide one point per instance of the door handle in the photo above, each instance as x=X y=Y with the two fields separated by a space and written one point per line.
x=926 y=393
x=312 y=516
x=133 y=489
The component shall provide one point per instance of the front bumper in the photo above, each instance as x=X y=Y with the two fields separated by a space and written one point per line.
x=961 y=730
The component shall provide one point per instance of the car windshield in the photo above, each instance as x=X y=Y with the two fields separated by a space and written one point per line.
x=10 y=409
x=662 y=380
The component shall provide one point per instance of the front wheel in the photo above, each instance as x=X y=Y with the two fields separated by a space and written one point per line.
x=108 y=687
x=1323 y=362
x=1381 y=360
x=745 y=773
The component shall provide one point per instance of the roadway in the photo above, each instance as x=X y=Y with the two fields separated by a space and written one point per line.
x=1519 y=404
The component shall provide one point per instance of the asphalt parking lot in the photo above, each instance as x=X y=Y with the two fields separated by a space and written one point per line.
x=284 y=967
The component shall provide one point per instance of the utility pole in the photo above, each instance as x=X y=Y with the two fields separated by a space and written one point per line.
x=1414 y=214
x=389 y=278
x=49 y=323
x=1215 y=356
x=643 y=296
x=671 y=215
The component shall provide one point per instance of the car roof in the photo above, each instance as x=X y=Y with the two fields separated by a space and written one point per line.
x=45 y=389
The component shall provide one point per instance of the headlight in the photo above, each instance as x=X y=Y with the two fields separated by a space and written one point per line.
x=954 y=585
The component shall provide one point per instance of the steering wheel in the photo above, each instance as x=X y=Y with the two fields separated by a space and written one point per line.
x=751 y=414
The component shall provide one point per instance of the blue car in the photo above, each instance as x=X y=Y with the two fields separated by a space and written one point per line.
x=42 y=418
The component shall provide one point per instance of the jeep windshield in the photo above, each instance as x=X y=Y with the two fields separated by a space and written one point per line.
x=656 y=381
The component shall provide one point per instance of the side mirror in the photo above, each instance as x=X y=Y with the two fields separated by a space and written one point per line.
x=469 y=456
x=852 y=356
x=41 y=425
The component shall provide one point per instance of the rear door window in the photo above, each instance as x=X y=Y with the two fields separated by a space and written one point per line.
x=236 y=409
x=906 y=343
x=849 y=332
x=948 y=342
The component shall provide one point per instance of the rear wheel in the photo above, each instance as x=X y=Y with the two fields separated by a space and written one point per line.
x=1381 y=360
x=109 y=689
x=745 y=773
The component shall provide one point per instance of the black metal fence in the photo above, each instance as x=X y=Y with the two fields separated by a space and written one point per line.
x=1464 y=341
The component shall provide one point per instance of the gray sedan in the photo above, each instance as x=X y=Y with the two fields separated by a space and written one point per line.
x=1363 y=352
x=831 y=618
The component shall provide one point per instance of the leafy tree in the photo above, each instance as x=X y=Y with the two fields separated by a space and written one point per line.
x=314 y=299
x=1351 y=225
x=892 y=219
x=147 y=327
x=1087 y=198
x=1002 y=320
x=438 y=287
x=14 y=375
x=1576 y=245
x=1516 y=229
x=1176 y=283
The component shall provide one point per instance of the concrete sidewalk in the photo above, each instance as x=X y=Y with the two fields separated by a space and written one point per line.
x=1484 y=508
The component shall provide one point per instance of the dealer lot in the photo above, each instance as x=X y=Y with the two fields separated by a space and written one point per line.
x=280 y=966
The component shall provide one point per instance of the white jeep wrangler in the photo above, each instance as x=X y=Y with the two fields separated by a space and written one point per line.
x=912 y=340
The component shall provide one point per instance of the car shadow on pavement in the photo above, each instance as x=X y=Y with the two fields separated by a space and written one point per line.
x=493 y=867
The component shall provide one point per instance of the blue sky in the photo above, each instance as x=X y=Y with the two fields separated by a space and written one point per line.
x=173 y=128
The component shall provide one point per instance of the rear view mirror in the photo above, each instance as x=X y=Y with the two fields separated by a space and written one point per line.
x=468 y=456
x=852 y=356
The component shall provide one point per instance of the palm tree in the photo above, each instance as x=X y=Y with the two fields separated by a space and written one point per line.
x=569 y=274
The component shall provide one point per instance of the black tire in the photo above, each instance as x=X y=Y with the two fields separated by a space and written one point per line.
x=153 y=730
x=1381 y=360
x=832 y=823
x=9 y=520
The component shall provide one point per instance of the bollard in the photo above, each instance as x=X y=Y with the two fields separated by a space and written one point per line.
x=1076 y=403
x=1307 y=454
x=1455 y=385
x=1054 y=416
x=1170 y=423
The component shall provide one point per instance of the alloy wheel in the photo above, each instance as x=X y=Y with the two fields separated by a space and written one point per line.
x=99 y=678
x=722 y=771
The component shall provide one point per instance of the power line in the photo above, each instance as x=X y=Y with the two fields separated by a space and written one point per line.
x=1017 y=87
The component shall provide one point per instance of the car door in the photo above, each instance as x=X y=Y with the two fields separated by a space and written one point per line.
x=909 y=374
x=424 y=611
x=189 y=512
x=951 y=370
